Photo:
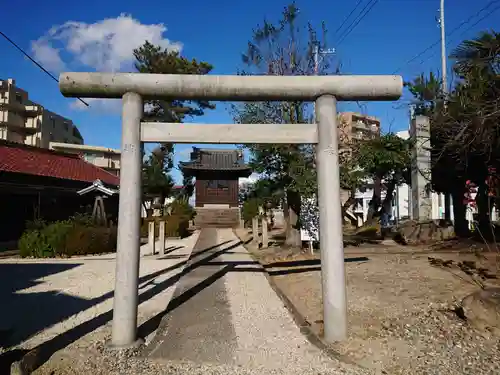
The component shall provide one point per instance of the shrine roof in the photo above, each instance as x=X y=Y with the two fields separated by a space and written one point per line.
x=227 y=160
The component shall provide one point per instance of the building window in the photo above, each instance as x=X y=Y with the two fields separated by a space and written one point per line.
x=19 y=98
x=218 y=184
x=66 y=127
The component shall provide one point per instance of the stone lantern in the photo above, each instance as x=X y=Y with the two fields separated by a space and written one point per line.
x=157 y=206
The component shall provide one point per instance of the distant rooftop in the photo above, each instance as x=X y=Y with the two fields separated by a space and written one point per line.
x=20 y=158
x=62 y=146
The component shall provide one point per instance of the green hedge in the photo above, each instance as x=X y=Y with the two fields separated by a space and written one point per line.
x=250 y=209
x=77 y=236
x=176 y=224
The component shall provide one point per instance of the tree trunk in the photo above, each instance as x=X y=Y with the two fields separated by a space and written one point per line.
x=348 y=203
x=459 y=210
x=484 y=211
x=447 y=204
x=387 y=203
x=293 y=222
x=374 y=204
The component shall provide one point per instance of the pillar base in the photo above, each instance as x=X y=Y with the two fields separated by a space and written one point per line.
x=135 y=345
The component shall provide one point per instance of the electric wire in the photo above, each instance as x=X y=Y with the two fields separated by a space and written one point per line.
x=34 y=61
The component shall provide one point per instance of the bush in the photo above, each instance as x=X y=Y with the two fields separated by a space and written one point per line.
x=250 y=209
x=175 y=226
x=76 y=236
x=33 y=244
x=83 y=240
x=181 y=207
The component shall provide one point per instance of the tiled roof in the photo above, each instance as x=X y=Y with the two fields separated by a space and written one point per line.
x=213 y=159
x=19 y=158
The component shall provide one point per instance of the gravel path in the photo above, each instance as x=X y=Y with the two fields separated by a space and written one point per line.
x=236 y=323
x=56 y=303
x=224 y=318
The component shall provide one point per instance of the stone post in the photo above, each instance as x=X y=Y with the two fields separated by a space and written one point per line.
x=161 y=237
x=151 y=237
x=265 y=236
x=421 y=200
x=255 y=229
x=124 y=326
x=330 y=218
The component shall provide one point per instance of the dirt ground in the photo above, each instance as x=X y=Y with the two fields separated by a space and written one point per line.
x=399 y=306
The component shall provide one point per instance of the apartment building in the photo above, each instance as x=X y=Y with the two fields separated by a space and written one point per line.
x=354 y=125
x=24 y=121
x=103 y=157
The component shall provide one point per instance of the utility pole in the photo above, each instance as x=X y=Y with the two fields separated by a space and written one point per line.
x=319 y=52
x=447 y=197
x=443 y=50
x=316 y=55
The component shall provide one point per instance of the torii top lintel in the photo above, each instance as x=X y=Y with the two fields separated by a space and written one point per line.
x=231 y=87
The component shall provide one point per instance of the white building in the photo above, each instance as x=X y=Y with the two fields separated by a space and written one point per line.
x=402 y=201
x=103 y=157
x=24 y=121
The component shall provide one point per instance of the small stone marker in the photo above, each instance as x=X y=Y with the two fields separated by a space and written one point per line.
x=161 y=237
x=151 y=237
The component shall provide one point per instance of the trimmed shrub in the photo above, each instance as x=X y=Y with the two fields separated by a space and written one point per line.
x=55 y=235
x=83 y=240
x=76 y=236
x=176 y=223
x=181 y=207
x=250 y=209
x=33 y=244
x=175 y=226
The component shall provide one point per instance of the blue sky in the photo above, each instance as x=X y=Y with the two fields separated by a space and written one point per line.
x=215 y=31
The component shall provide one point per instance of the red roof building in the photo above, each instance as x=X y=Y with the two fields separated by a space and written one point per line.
x=29 y=160
x=37 y=183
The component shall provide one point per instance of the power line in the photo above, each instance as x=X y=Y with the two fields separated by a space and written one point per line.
x=348 y=16
x=357 y=20
x=459 y=26
x=482 y=18
x=463 y=32
x=34 y=61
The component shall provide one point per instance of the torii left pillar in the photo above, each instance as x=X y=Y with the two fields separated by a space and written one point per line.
x=125 y=303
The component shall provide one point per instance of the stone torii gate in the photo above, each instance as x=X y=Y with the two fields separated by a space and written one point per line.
x=133 y=88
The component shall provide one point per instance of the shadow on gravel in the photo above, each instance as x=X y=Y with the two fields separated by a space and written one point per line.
x=15 y=277
x=200 y=257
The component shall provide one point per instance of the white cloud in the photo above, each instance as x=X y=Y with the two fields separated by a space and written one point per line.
x=249 y=180
x=105 y=46
x=47 y=55
x=108 y=106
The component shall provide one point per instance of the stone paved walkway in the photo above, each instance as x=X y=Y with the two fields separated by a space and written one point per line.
x=225 y=313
